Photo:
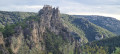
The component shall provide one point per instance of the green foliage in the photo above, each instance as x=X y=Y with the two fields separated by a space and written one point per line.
x=53 y=42
x=72 y=27
x=9 y=50
x=1 y=52
x=117 y=51
x=1 y=27
x=109 y=43
x=32 y=18
x=93 y=50
x=13 y=17
x=8 y=30
x=67 y=48
x=10 y=20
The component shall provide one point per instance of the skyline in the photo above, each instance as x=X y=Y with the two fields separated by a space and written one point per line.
x=109 y=8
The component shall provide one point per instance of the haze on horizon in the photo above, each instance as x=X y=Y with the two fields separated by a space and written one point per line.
x=109 y=8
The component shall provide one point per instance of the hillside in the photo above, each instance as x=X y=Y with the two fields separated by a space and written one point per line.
x=86 y=28
x=68 y=21
x=46 y=32
x=108 y=23
x=13 y=17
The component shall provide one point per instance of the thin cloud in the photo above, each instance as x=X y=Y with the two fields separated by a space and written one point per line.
x=103 y=7
x=25 y=8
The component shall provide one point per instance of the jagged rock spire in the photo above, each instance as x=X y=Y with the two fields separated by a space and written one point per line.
x=50 y=17
x=47 y=9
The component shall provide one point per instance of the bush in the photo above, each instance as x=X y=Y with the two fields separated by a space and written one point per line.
x=117 y=51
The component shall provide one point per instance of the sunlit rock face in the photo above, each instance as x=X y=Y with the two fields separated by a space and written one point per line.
x=50 y=18
x=99 y=37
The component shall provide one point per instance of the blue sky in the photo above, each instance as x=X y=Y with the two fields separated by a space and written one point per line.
x=76 y=7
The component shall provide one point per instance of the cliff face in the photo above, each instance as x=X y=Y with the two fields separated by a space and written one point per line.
x=1 y=38
x=46 y=35
x=50 y=19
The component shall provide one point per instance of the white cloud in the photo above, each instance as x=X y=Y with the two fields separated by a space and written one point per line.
x=82 y=9
x=94 y=7
x=25 y=8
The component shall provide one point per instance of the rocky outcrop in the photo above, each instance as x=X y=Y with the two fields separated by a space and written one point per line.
x=3 y=49
x=32 y=36
x=50 y=19
x=16 y=39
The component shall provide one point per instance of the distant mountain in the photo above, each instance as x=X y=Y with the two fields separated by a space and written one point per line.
x=108 y=23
